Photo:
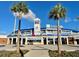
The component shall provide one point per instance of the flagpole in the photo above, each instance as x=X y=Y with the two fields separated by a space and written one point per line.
x=14 y=24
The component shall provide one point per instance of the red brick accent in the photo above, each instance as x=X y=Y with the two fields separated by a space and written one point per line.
x=3 y=40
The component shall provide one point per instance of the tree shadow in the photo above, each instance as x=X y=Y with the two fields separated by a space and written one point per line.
x=22 y=55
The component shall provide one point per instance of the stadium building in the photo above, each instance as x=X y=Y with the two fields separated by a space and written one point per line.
x=44 y=36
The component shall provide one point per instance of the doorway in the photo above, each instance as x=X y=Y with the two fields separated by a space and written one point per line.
x=77 y=41
x=44 y=40
x=20 y=41
x=71 y=40
x=64 y=40
x=23 y=41
x=50 y=41
x=30 y=42
x=56 y=41
x=10 y=40
x=14 y=40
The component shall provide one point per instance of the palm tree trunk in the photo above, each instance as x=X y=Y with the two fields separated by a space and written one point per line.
x=58 y=36
x=18 y=43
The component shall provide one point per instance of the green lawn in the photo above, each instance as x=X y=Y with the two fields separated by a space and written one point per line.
x=12 y=53
x=64 y=53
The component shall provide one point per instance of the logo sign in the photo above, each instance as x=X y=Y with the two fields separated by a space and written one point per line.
x=36 y=22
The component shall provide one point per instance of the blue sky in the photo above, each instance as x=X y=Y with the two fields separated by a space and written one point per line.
x=41 y=10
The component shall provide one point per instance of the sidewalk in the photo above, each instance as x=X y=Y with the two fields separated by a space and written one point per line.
x=37 y=53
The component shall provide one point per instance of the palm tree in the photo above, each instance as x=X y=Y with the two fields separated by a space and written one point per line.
x=57 y=13
x=21 y=9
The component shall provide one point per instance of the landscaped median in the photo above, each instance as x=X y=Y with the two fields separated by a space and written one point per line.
x=64 y=53
x=12 y=53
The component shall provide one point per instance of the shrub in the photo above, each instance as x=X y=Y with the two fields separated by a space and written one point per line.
x=12 y=53
x=63 y=53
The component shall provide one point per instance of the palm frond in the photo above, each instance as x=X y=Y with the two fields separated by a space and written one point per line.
x=20 y=7
x=57 y=12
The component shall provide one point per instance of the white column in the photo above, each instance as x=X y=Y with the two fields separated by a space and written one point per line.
x=75 y=42
x=12 y=41
x=61 y=40
x=26 y=41
x=21 y=41
x=42 y=40
x=8 y=41
x=67 y=41
x=54 y=41
x=47 y=40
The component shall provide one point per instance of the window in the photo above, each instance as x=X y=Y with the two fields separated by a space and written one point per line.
x=36 y=40
x=50 y=40
x=29 y=40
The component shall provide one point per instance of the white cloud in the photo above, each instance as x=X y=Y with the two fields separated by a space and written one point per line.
x=75 y=20
x=30 y=15
x=67 y=20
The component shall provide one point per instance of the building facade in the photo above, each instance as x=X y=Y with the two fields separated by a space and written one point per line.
x=44 y=36
x=47 y=36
